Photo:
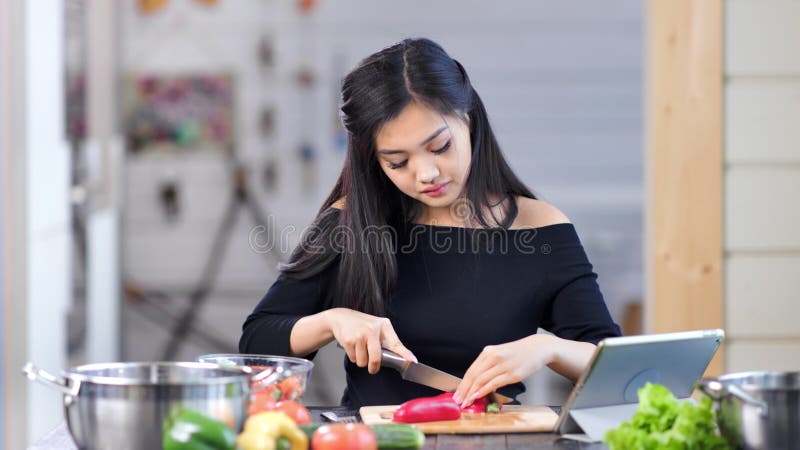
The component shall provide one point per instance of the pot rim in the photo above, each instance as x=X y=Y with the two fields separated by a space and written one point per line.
x=238 y=374
x=740 y=379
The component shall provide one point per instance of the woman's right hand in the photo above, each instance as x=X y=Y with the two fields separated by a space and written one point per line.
x=362 y=336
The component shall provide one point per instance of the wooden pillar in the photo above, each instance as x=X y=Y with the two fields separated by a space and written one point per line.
x=684 y=163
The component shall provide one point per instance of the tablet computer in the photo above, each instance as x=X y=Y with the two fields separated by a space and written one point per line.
x=622 y=365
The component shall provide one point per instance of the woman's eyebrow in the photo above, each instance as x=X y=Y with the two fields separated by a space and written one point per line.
x=427 y=139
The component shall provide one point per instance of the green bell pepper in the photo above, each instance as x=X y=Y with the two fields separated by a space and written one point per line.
x=186 y=429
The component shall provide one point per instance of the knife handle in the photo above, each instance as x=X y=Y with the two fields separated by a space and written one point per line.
x=393 y=360
x=390 y=359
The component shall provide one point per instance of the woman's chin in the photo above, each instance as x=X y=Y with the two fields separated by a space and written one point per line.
x=436 y=202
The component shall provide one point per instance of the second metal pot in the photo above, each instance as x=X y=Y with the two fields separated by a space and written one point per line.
x=757 y=410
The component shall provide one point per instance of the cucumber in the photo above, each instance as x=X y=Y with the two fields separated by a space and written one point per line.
x=397 y=436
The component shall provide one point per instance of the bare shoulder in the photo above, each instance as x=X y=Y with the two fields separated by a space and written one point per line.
x=338 y=204
x=537 y=213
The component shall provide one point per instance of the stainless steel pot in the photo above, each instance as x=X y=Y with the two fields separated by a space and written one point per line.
x=757 y=410
x=123 y=405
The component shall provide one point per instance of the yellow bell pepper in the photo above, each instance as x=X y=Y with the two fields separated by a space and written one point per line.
x=262 y=430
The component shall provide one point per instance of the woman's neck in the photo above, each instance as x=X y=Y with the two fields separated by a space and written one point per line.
x=461 y=213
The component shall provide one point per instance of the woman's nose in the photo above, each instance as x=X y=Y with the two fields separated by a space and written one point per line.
x=427 y=172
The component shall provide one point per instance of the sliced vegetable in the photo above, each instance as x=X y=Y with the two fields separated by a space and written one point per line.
x=428 y=409
x=263 y=430
x=186 y=429
x=290 y=388
x=493 y=408
x=344 y=436
x=397 y=436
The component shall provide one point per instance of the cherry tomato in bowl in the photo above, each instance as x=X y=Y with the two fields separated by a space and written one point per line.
x=290 y=374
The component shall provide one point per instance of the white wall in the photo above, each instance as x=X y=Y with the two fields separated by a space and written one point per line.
x=2 y=252
x=47 y=203
x=762 y=183
x=561 y=81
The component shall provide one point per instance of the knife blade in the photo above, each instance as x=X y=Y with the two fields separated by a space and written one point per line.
x=427 y=375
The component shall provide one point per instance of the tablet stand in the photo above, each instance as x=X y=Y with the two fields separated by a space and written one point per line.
x=595 y=422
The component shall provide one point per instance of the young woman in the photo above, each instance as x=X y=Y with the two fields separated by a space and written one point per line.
x=430 y=246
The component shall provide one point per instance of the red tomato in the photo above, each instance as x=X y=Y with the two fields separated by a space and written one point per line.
x=295 y=411
x=272 y=391
x=261 y=401
x=344 y=436
x=290 y=388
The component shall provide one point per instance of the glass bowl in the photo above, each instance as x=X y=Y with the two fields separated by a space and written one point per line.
x=283 y=377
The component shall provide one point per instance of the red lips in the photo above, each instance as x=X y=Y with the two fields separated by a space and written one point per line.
x=435 y=187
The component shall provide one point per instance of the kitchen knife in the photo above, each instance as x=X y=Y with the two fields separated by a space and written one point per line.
x=427 y=375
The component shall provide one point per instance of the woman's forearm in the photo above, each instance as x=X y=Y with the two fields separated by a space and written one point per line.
x=309 y=334
x=570 y=358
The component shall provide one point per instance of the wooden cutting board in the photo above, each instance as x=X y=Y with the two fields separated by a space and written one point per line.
x=512 y=419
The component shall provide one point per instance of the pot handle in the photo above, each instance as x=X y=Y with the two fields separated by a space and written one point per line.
x=711 y=388
x=716 y=390
x=60 y=383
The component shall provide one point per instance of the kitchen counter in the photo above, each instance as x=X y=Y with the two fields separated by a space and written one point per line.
x=536 y=441
x=59 y=439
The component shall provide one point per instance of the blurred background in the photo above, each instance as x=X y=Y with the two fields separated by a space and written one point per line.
x=169 y=153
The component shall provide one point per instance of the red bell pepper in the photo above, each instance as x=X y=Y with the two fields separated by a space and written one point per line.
x=480 y=405
x=428 y=409
x=440 y=407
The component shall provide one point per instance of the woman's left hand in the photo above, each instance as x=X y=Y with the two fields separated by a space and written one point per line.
x=504 y=364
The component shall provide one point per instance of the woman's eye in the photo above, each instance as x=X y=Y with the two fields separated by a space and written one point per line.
x=438 y=151
x=397 y=165
x=443 y=149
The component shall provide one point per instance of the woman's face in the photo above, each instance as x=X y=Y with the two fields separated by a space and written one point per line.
x=425 y=154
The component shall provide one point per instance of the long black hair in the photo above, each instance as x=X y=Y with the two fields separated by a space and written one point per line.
x=375 y=92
